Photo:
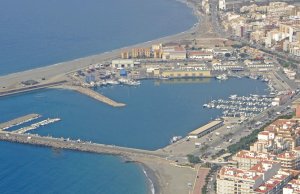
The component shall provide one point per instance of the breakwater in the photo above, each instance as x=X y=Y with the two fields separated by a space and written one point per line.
x=78 y=145
x=93 y=94
x=30 y=88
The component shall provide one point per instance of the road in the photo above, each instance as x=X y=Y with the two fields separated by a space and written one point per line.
x=243 y=130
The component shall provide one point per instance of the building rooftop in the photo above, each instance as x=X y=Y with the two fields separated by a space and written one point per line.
x=272 y=183
x=239 y=173
x=264 y=166
x=191 y=53
x=294 y=185
x=254 y=155
x=206 y=127
x=288 y=155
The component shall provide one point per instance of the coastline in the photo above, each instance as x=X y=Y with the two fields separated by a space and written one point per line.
x=56 y=72
x=152 y=180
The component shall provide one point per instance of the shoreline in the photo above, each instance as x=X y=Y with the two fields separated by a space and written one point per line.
x=58 y=70
x=64 y=67
x=152 y=180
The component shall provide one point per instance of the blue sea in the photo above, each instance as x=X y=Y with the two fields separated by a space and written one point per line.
x=35 y=33
x=155 y=112
x=27 y=169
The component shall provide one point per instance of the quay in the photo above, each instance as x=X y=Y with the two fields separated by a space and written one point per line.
x=77 y=145
x=94 y=95
x=18 y=121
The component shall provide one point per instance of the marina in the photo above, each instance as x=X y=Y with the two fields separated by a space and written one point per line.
x=241 y=106
x=36 y=125
x=19 y=121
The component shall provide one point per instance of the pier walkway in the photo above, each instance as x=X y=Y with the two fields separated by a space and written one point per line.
x=78 y=145
x=94 y=95
x=18 y=121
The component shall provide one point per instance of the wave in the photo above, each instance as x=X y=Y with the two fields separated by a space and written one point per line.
x=150 y=181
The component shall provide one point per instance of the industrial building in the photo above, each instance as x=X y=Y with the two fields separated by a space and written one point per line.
x=173 y=53
x=124 y=63
x=211 y=126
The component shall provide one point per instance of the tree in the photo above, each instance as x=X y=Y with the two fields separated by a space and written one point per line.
x=227 y=54
x=193 y=159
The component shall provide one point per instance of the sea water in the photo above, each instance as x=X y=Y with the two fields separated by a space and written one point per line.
x=35 y=33
x=29 y=169
x=154 y=112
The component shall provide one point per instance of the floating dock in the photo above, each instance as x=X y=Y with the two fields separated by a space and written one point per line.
x=94 y=95
x=36 y=125
x=19 y=121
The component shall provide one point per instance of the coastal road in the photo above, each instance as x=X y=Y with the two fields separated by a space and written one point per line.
x=243 y=129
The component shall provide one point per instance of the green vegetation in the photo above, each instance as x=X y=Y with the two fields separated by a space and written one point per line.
x=193 y=159
x=294 y=66
x=227 y=55
x=243 y=55
x=218 y=154
x=237 y=45
x=206 y=165
x=204 y=148
x=213 y=169
x=285 y=63
x=245 y=142
x=228 y=135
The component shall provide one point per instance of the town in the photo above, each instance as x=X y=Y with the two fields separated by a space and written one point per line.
x=253 y=147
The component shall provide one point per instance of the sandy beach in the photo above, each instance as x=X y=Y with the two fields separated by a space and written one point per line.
x=57 y=72
x=166 y=176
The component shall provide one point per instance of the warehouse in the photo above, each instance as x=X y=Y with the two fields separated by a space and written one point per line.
x=211 y=126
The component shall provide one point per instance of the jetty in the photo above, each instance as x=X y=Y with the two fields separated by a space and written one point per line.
x=8 y=92
x=19 y=121
x=78 y=145
x=36 y=125
x=93 y=94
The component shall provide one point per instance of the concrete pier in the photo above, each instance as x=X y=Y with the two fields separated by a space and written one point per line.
x=18 y=121
x=77 y=145
x=94 y=95
x=7 y=92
